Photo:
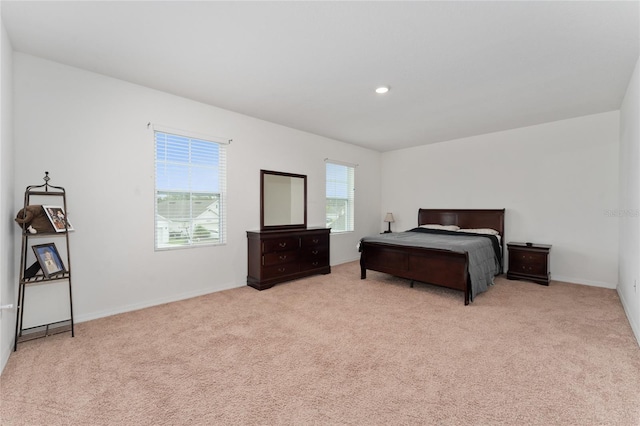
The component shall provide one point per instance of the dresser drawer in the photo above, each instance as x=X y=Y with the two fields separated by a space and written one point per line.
x=280 y=244
x=313 y=263
x=279 y=257
x=280 y=270
x=314 y=241
x=311 y=252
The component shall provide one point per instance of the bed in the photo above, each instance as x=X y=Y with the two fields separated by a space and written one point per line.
x=434 y=263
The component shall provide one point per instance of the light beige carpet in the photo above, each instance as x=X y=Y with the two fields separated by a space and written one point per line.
x=339 y=350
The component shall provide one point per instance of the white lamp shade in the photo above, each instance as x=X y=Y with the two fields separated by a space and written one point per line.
x=389 y=218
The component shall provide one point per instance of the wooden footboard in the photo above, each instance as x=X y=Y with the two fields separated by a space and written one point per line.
x=433 y=266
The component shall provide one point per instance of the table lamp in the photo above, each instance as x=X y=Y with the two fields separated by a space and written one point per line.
x=388 y=218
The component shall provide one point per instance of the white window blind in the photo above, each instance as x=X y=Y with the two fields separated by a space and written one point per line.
x=190 y=207
x=340 y=205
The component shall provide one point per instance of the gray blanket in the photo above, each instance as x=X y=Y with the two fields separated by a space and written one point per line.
x=483 y=264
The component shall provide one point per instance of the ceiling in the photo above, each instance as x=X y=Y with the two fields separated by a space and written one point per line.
x=455 y=69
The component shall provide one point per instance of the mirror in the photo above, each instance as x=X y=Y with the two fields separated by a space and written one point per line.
x=283 y=200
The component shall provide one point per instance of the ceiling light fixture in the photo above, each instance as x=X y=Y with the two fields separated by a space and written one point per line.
x=382 y=89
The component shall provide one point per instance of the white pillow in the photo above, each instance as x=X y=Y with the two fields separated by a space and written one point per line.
x=445 y=227
x=487 y=231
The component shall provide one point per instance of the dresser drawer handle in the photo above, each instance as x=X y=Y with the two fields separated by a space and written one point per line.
x=283 y=245
x=314 y=263
x=282 y=269
x=283 y=257
x=314 y=252
x=315 y=241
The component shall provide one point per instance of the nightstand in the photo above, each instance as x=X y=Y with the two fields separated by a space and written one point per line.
x=529 y=262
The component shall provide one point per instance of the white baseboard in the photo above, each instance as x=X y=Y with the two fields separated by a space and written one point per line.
x=149 y=303
x=583 y=282
x=635 y=327
x=6 y=353
x=341 y=261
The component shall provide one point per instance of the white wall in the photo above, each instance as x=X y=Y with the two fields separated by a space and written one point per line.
x=8 y=280
x=90 y=132
x=558 y=181
x=629 y=211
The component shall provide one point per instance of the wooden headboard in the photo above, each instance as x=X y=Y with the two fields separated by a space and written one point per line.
x=465 y=218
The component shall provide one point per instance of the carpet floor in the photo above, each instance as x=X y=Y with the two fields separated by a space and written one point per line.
x=338 y=350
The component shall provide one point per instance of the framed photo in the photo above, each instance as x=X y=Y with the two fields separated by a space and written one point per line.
x=57 y=218
x=49 y=259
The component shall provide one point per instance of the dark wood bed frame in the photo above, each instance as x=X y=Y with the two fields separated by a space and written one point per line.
x=433 y=266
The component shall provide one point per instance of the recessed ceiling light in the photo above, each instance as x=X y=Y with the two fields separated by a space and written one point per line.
x=382 y=89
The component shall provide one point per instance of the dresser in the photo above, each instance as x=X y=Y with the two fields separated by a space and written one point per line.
x=285 y=255
x=529 y=262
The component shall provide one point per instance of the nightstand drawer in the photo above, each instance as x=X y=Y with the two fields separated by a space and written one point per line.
x=528 y=262
x=528 y=269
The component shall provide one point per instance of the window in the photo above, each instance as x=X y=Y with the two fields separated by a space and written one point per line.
x=340 y=197
x=190 y=191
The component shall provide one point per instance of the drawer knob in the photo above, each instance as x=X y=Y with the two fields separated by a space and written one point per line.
x=314 y=263
x=281 y=269
x=282 y=245
x=315 y=252
x=283 y=257
x=315 y=241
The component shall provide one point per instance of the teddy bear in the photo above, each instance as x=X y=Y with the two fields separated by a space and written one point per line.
x=34 y=219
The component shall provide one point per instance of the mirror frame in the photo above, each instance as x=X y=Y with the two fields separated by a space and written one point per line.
x=283 y=226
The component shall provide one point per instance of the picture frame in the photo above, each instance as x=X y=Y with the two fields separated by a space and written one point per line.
x=49 y=259
x=57 y=217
